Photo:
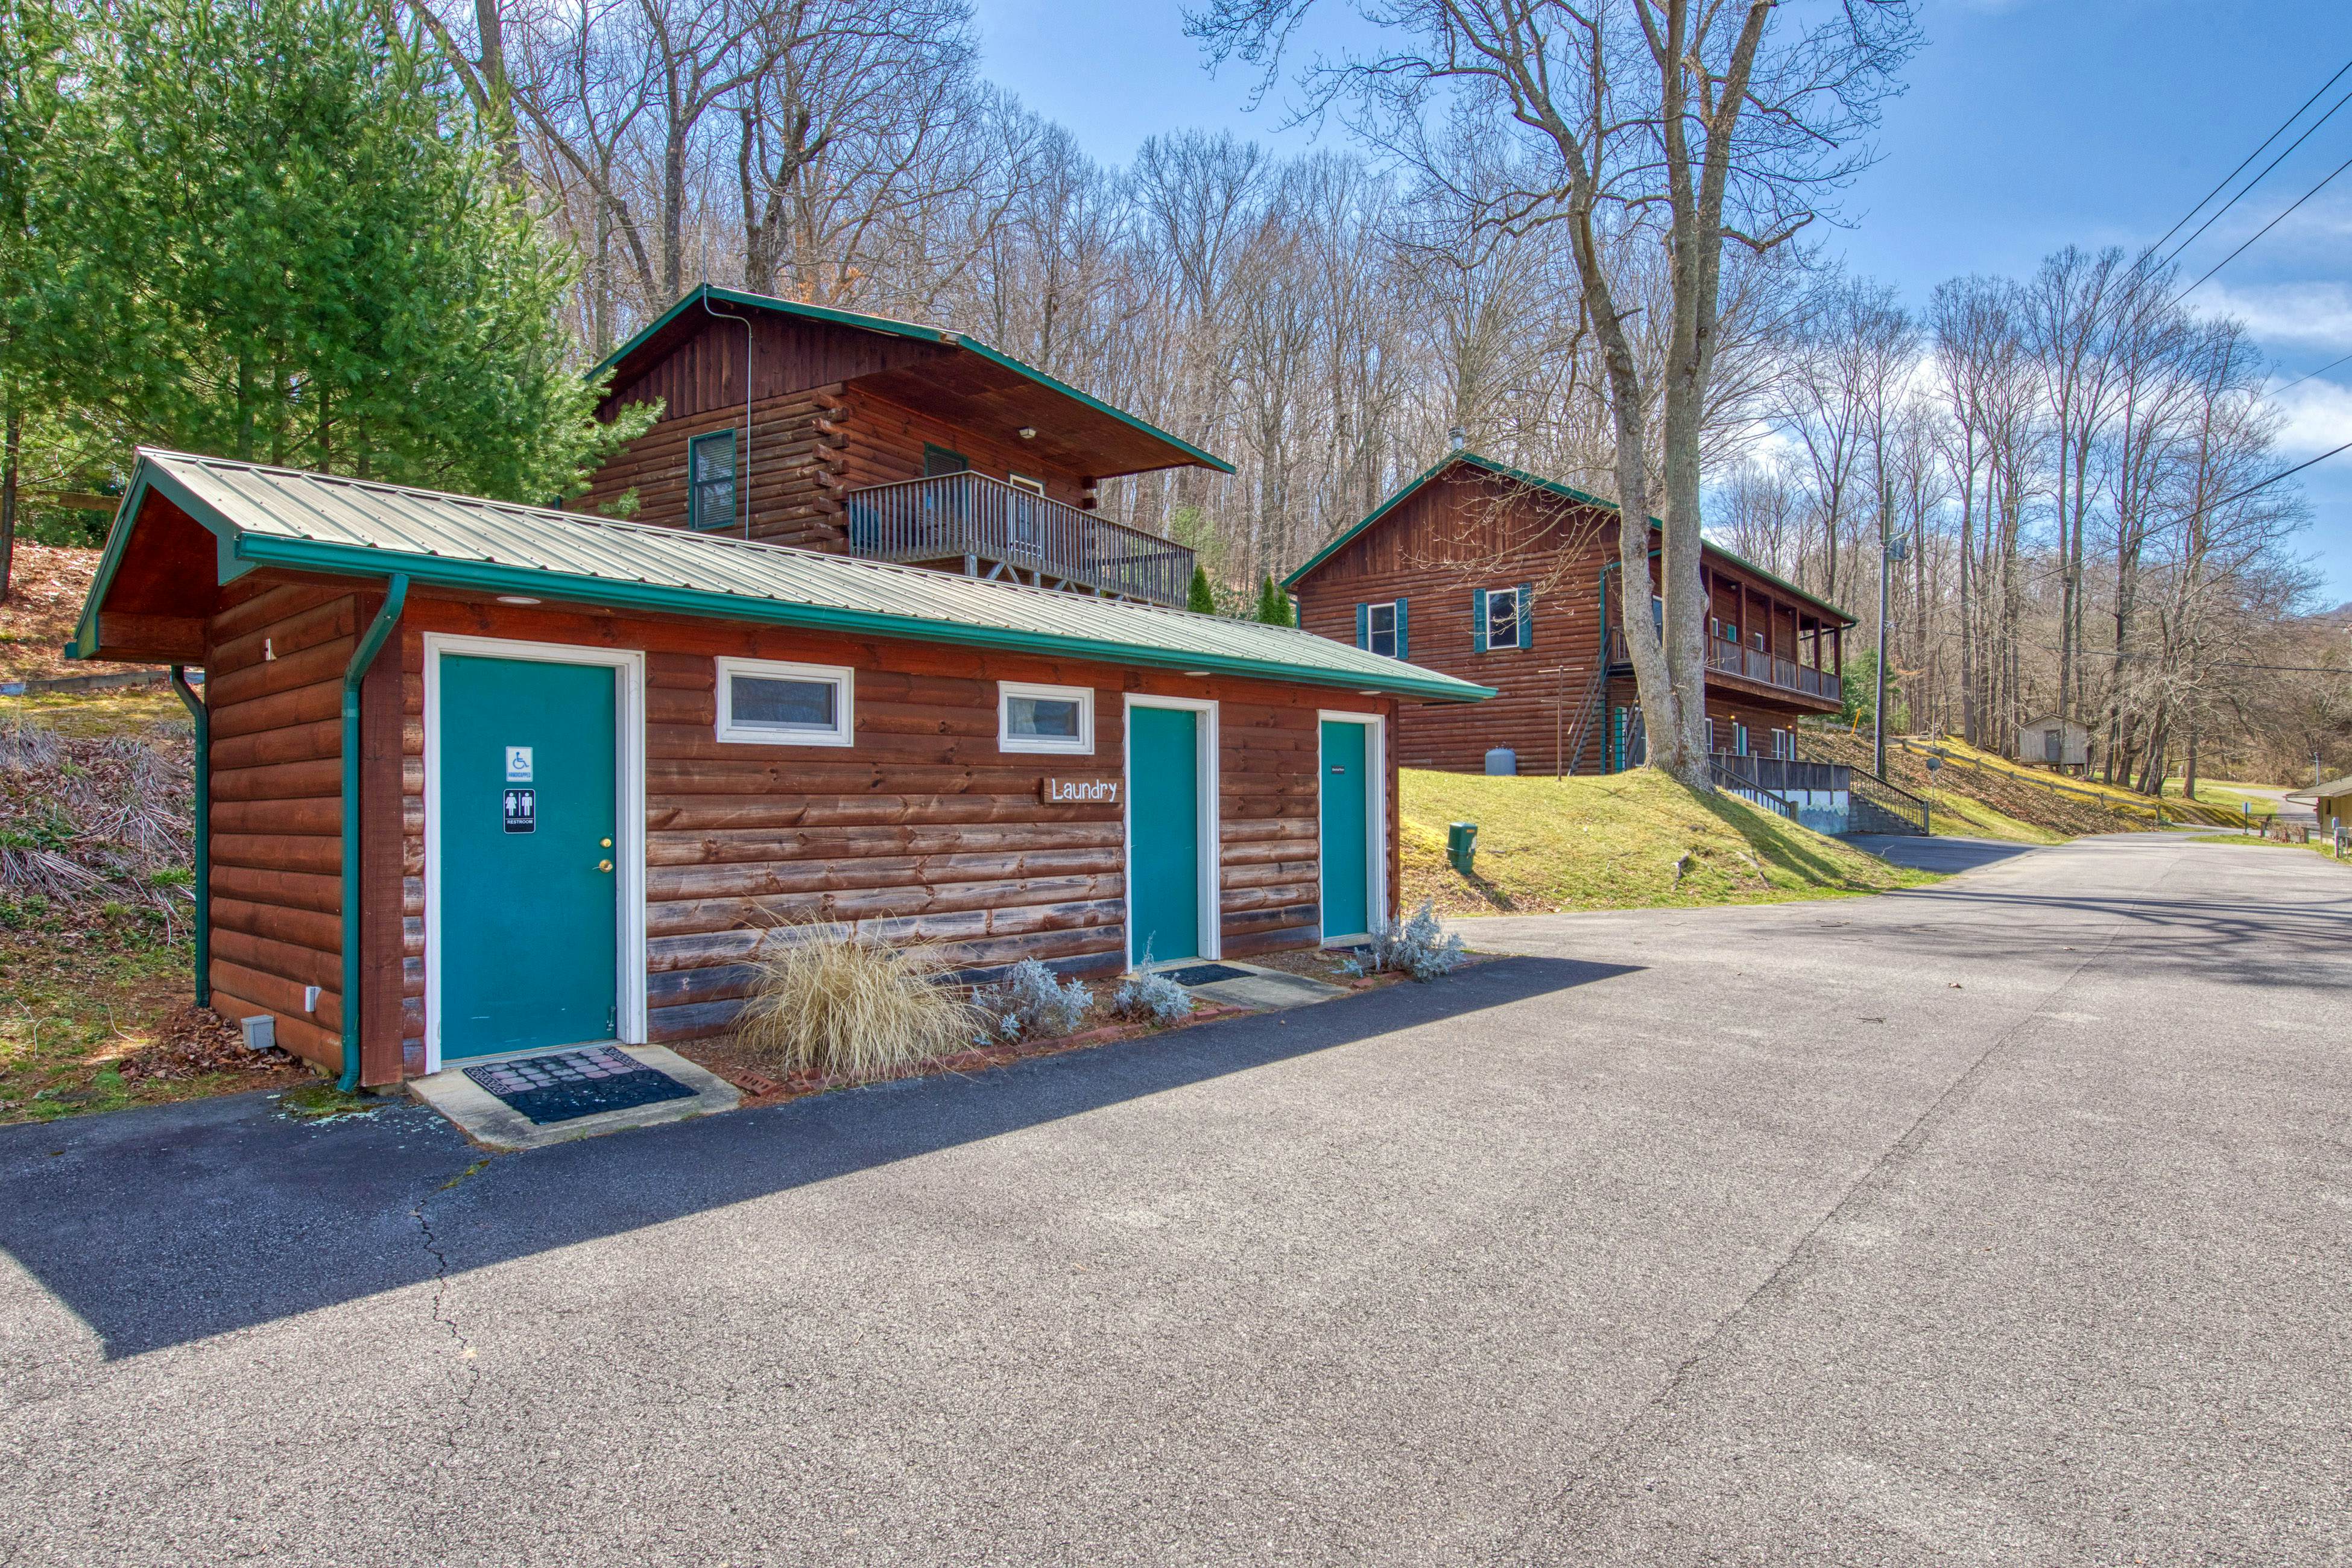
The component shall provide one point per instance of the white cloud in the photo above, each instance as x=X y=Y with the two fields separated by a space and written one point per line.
x=2310 y=316
x=2318 y=418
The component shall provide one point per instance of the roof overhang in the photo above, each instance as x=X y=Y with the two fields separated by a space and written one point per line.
x=1549 y=487
x=1294 y=657
x=972 y=384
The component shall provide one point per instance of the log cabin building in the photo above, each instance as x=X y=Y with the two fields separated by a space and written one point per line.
x=475 y=779
x=861 y=435
x=1510 y=580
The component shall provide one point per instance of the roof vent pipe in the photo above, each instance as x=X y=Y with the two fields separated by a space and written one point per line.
x=1457 y=440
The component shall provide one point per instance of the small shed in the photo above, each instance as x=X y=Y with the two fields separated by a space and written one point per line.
x=2333 y=803
x=2052 y=741
x=476 y=778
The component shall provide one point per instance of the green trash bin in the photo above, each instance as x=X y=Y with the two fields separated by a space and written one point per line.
x=1461 y=845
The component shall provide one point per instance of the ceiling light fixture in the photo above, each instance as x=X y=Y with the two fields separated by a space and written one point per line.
x=515 y=599
x=1028 y=432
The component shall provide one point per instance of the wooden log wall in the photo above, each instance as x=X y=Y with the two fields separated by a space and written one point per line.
x=1457 y=534
x=923 y=833
x=1440 y=545
x=809 y=448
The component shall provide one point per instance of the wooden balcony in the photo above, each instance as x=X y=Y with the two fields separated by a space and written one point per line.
x=981 y=527
x=1724 y=657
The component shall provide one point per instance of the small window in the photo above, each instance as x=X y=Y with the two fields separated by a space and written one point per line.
x=939 y=460
x=1784 y=745
x=765 y=703
x=710 y=480
x=1023 y=482
x=1044 y=719
x=1505 y=617
x=1380 y=628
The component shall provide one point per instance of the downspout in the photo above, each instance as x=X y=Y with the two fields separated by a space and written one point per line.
x=1608 y=731
x=744 y=468
x=201 y=716
x=371 y=644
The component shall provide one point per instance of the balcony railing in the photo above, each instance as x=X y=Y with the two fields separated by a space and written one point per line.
x=1730 y=658
x=983 y=522
x=1784 y=775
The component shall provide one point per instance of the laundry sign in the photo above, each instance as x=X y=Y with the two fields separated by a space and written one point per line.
x=1079 y=792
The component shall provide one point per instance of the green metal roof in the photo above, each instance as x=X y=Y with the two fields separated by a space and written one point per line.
x=1553 y=487
x=896 y=329
x=304 y=522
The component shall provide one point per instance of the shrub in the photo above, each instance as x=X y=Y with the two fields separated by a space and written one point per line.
x=1150 y=996
x=1420 y=947
x=847 y=1008
x=1032 y=1004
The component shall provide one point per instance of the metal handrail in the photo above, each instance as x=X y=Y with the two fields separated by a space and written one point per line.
x=1876 y=806
x=1782 y=775
x=1748 y=789
x=944 y=517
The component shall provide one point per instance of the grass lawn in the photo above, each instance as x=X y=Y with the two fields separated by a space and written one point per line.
x=2230 y=795
x=1631 y=840
x=1957 y=816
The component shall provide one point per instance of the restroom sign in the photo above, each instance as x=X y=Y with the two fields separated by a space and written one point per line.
x=523 y=810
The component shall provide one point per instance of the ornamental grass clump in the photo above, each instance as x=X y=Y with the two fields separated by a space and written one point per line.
x=1032 y=1004
x=842 y=1007
x=1420 y=947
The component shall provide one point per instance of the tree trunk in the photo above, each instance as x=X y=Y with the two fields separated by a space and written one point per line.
x=10 y=449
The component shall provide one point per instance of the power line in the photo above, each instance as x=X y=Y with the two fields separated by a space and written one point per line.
x=2262 y=231
x=2306 y=375
x=2247 y=188
x=2257 y=152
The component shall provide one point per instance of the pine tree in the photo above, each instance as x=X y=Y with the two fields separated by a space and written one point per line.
x=282 y=236
x=1201 y=598
x=1273 y=604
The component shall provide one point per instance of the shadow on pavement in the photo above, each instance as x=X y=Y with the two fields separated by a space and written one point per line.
x=161 y=1226
x=1945 y=854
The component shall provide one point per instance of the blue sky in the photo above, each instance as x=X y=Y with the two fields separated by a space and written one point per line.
x=2025 y=125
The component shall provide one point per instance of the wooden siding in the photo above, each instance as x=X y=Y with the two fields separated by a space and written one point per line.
x=697 y=367
x=274 y=684
x=922 y=834
x=809 y=448
x=1464 y=532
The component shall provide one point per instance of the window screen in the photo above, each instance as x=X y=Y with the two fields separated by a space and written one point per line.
x=760 y=702
x=1044 y=718
x=1502 y=619
x=710 y=480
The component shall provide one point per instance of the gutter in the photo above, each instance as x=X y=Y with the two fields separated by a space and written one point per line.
x=370 y=645
x=201 y=716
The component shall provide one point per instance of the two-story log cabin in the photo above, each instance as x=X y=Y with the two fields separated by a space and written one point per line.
x=1510 y=580
x=863 y=436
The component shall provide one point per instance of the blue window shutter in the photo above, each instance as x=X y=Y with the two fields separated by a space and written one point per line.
x=1363 y=626
x=1527 y=614
x=1402 y=647
x=1477 y=620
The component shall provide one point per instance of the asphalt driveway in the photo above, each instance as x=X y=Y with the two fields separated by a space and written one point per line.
x=2001 y=1221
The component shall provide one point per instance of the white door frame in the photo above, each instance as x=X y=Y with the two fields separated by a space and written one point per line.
x=629 y=836
x=1376 y=822
x=1211 y=849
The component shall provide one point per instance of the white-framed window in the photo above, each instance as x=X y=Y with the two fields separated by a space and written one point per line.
x=1380 y=628
x=1784 y=744
x=763 y=702
x=1710 y=732
x=1507 y=622
x=1059 y=718
x=1023 y=482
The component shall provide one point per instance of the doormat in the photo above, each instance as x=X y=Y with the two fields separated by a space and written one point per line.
x=1205 y=973
x=565 y=1085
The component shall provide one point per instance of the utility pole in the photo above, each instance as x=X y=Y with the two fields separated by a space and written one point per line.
x=1895 y=549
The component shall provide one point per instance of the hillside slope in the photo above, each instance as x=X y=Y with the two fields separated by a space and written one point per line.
x=1623 y=841
x=1982 y=802
x=47 y=588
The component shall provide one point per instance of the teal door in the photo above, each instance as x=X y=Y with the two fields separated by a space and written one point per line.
x=528 y=814
x=1164 y=833
x=1347 y=832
